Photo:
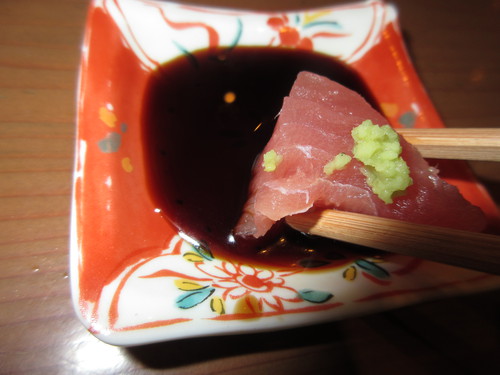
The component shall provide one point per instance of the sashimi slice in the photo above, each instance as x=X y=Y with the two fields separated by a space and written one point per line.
x=314 y=125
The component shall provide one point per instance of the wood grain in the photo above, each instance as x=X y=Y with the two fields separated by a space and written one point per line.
x=456 y=51
x=456 y=143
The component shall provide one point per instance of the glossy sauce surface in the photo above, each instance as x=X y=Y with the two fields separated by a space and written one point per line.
x=206 y=118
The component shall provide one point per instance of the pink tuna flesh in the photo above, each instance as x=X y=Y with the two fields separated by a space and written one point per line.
x=314 y=125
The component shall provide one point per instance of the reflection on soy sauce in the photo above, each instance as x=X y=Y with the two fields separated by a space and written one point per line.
x=206 y=117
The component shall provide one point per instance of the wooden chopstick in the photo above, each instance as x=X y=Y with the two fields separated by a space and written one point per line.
x=472 y=250
x=455 y=143
x=466 y=249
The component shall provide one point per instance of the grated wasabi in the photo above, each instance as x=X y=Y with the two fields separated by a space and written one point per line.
x=338 y=162
x=271 y=161
x=378 y=148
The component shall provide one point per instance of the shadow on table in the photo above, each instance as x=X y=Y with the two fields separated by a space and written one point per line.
x=318 y=339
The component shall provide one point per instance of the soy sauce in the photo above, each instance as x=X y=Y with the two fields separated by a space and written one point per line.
x=206 y=118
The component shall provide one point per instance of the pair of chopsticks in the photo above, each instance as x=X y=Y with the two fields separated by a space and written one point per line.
x=466 y=249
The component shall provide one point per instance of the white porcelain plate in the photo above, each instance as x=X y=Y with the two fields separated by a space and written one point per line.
x=134 y=279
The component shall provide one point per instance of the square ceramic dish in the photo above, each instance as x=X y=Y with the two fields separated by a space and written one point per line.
x=134 y=279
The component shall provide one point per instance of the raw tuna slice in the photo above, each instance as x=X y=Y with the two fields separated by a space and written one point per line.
x=314 y=125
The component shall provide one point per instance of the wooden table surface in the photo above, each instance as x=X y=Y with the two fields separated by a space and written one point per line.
x=456 y=50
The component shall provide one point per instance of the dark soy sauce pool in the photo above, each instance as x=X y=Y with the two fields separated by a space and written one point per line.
x=206 y=118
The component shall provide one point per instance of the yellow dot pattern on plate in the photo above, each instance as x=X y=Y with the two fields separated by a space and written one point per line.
x=108 y=117
x=186 y=285
x=192 y=257
x=217 y=305
x=248 y=305
x=312 y=16
x=350 y=273
x=127 y=165
x=389 y=109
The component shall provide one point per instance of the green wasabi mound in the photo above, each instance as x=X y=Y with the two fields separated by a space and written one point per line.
x=378 y=148
x=271 y=161
x=337 y=163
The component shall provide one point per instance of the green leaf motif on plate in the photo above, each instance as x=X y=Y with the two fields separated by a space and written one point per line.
x=239 y=31
x=110 y=143
x=372 y=269
x=314 y=296
x=192 y=298
x=204 y=251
